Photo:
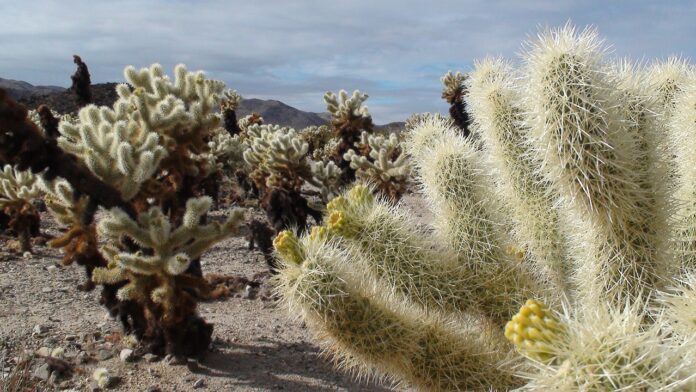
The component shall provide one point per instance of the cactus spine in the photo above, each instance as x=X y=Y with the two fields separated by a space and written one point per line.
x=561 y=205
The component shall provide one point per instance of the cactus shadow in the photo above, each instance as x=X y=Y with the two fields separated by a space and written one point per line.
x=274 y=365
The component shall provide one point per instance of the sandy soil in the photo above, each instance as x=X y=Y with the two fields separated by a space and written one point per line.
x=257 y=345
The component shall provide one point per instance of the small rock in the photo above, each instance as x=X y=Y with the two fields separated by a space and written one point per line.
x=44 y=351
x=70 y=338
x=103 y=355
x=43 y=372
x=51 y=268
x=50 y=341
x=93 y=387
x=127 y=355
x=53 y=379
x=199 y=383
x=174 y=360
x=58 y=352
x=82 y=357
x=154 y=389
x=150 y=358
x=249 y=292
x=39 y=329
x=46 y=290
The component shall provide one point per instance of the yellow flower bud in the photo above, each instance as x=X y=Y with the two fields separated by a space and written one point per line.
x=338 y=203
x=360 y=194
x=288 y=247
x=534 y=330
x=318 y=233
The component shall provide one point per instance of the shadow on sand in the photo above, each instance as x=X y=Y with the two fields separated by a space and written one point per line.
x=278 y=365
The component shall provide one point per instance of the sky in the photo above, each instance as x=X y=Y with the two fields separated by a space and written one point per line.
x=294 y=51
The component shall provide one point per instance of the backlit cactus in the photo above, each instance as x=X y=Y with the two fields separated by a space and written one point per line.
x=564 y=225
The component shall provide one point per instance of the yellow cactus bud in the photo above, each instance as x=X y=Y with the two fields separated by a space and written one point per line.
x=288 y=247
x=360 y=194
x=534 y=330
x=338 y=203
x=337 y=221
x=318 y=233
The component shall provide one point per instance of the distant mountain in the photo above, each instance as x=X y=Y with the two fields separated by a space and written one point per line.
x=19 y=89
x=63 y=100
x=276 y=112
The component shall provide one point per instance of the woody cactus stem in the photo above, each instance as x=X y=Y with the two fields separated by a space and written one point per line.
x=453 y=91
x=81 y=82
x=229 y=106
x=48 y=122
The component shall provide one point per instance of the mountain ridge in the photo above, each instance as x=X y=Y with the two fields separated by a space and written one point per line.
x=63 y=100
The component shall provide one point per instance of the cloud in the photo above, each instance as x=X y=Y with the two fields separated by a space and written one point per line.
x=295 y=51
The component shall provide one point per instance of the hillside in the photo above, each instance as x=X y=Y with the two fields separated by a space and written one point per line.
x=63 y=100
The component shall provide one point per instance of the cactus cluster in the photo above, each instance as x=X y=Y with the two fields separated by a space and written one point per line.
x=18 y=191
x=145 y=160
x=362 y=152
x=561 y=252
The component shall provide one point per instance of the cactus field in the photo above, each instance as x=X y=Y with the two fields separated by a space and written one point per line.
x=539 y=234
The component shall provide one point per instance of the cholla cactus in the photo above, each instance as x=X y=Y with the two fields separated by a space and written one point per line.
x=282 y=167
x=144 y=156
x=349 y=118
x=358 y=152
x=252 y=119
x=49 y=120
x=228 y=107
x=280 y=158
x=155 y=275
x=348 y=112
x=453 y=91
x=18 y=190
x=385 y=165
x=321 y=141
x=553 y=228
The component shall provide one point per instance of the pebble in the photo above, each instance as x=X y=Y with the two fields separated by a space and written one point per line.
x=82 y=357
x=174 y=360
x=44 y=351
x=43 y=372
x=150 y=358
x=103 y=355
x=40 y=329
x=127 y=355
x=199 y=383
x=154 y=389
x=51 y=268
x=46 y=290
x=249 y=292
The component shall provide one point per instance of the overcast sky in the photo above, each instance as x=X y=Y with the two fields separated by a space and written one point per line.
x=294 y=51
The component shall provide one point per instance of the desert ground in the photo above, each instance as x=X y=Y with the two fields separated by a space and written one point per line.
x=257 y=345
